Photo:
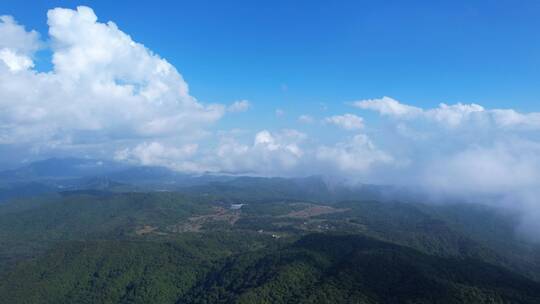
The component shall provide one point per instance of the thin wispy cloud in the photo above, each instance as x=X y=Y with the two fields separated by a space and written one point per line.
x=306 y=119
x=347 y=121
x=239 y=106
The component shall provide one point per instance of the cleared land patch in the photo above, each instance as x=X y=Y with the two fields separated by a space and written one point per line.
x=195 y=223
x=146 y=229
x=314 y=210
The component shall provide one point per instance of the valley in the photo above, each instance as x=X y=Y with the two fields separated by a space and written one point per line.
x=257 y=240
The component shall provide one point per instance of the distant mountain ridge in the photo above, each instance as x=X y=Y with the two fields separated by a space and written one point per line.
x=57 y=168
x=56 y=175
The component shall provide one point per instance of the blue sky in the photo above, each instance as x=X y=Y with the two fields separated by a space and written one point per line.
x=419 y=52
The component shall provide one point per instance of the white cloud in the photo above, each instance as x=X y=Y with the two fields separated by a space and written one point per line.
x=508 y=118
x=239 y=106
x=356 y=155
x=271 y=153
x=104 y=86
x=466 y=151
x=17 y=46
x=157 y=154
x=306 y=119
x=346 y=121
x=453 y=116
x=279 y=112
x=267 y=153
x=388 y=106
x=14 y=61
x=449 y=115
x=504 y=173
x=13 y=36
x=501 y=167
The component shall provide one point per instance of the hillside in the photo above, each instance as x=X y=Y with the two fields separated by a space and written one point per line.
x=317 y=268
x=257 y=240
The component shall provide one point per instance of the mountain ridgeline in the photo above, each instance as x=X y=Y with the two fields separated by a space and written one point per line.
x=87 y=231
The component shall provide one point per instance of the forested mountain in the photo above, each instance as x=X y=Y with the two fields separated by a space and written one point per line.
x=218 y=239
x=318 y=268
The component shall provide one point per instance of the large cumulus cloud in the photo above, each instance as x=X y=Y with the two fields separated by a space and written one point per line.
x=103 y=87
